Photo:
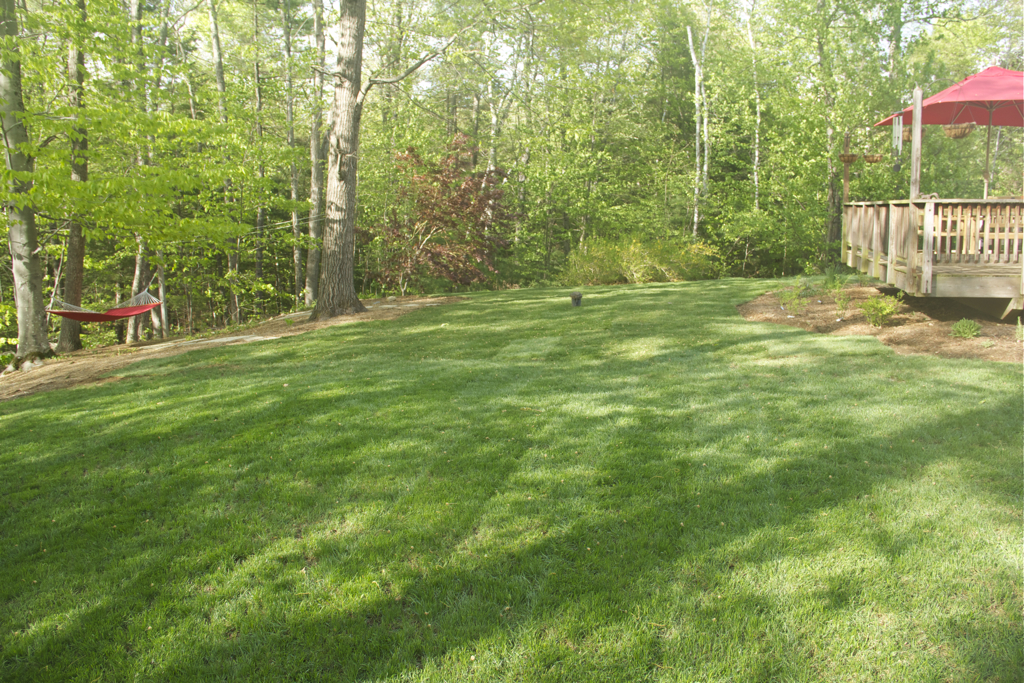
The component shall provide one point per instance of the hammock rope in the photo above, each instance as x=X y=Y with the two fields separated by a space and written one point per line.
x=140 y=303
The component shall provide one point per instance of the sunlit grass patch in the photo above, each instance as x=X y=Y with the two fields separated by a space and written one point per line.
x=642 y=488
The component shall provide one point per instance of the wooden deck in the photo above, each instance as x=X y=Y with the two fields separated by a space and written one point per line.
x=970 y=248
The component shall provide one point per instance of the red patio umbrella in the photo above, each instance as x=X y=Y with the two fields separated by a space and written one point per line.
x=993 y=97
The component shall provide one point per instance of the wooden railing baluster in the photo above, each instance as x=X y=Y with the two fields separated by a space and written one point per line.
x=960 y=234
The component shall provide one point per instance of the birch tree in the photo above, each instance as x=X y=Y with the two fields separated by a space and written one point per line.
x=757 y=106
x=700 y=116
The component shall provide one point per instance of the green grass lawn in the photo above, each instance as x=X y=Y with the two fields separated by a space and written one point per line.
x=647 y=487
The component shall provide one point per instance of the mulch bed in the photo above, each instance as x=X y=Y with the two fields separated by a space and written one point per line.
x=922 y=326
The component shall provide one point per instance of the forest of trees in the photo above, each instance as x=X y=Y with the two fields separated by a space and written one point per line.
x=191 y=145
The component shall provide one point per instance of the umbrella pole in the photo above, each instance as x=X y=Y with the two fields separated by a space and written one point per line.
x=988 y=146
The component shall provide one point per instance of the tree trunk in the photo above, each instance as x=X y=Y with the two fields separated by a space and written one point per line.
x=316 y=180
x=234 y=308
x=165 y=330
x=337 y=292
x=704 y=100
x=234 y=312
x=696 y=136
x=71 y=330
x=119 y=326
x=21 y=220
x=135 y=322
x=261 y=211
x=286 y=8
x=757 y=104
x=218 y=63
x=476 y=129
x=833 y=195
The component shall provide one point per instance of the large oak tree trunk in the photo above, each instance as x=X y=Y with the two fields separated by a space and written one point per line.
x=21 y=218
x=337 y=286
x=71 y=330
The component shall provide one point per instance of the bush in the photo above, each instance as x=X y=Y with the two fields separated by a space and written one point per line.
x=604 y=262
x=834 y=282
x=792 y=300
x=834 y=279
x=842 y=300
x=965 y=329
x=594 y=264
x=879 y=309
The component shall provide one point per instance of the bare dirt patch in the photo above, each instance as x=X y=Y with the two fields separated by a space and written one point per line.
x=922 y=325
x=93 y=366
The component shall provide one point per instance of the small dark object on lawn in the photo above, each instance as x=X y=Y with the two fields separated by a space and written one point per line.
x=577 y=297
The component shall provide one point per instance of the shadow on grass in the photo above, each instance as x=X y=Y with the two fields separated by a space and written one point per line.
x=582 y=516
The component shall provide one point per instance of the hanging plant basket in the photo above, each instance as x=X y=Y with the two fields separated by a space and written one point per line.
x=908 y=133
x=956 y=131
x=872 y=158
x=848 y=158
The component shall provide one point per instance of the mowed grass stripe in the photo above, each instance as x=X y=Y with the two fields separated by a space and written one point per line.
x=646 y=487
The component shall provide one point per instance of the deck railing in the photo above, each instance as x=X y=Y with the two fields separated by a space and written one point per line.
x=903 y=242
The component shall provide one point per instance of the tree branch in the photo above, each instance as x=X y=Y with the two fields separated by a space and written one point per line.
x=412 y=69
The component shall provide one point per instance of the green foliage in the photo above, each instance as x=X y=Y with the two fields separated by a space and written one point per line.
x=880 y=309
x=8 y=326
x=604 y=262
x=965 y=328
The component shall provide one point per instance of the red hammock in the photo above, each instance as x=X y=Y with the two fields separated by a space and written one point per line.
x=137 y=304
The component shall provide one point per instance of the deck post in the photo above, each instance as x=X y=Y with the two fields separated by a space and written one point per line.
x=915 y=147
x=876 y=242
x=846 y=170
x=890 y=266
x=910 y=245
x=851 y=255
x=927 y=249
x=846 y=233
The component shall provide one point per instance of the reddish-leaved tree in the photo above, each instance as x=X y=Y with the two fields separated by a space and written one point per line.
x=447 y=224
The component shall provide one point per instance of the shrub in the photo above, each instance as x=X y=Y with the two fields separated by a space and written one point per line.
x=834 y=283
x=879 y=309
x=604 y=262
x=965 y=329
x=638 y=262
x=593 y=264
x=842 y=300
x=833 y=278
x=696 y=261
x=792 y=299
